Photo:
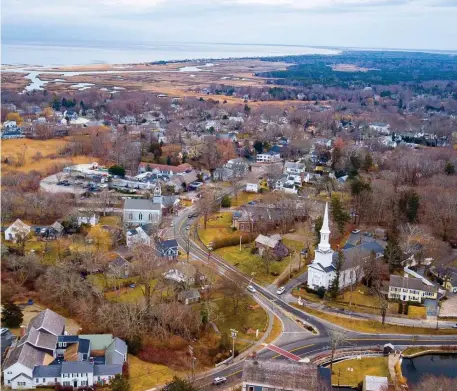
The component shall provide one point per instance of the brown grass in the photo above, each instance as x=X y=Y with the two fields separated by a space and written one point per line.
x=13 y=149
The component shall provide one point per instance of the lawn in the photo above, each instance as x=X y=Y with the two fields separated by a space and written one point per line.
x=145 y=375
x=248 y=318
x=218 y=226
x=415 y=312
x=244 y=197
x=373 y=326
x=352 y=372
x=252 y=264
x=362 y=301
x=112 y=221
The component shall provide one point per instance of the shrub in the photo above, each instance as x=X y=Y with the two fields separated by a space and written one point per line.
x=226 y=202
x=233 y=241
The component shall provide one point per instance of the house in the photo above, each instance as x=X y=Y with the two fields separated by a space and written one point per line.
x=57 y=228
x=189 y=297
x=141 y=211
x=410 y=289
x=238 y=164
x=252 y=187
x=249 y=217
x=164 y=168
x=45 y=356
x=142 y=234
x=321 y=272
x=268 y=157
x=375 y=383
x=294 y=168
x=70 y=114
x=380 y=127
x=89 y=219
x=119 y=267
x=447 y=275
x=9 y=125
x=168 y=249
x=17 y=230
x=266 y=375
x=222 y=174
x=183 y=273
x=288 y=184
x=272 y=243
x=181 y=182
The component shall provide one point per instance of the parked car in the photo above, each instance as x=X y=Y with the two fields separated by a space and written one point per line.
x=454 y=326
x=251 y=289
x=219 y=380
x=281 y=290
x=356 y=231
x=187 y=227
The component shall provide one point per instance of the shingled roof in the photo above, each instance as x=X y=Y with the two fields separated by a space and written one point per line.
x=48 y=321
x=281 y=374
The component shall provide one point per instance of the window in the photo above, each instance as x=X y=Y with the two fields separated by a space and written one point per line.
x=44 y=380
x=9 y=381
x=55 y=380
x=9 y=373
x=37 y=380
x=130 y=216
x=140 y=216
x=21 y=383
x=250 y=388
x=99 y=378
x=150 y=216
x=66 y=383
x=84 y=383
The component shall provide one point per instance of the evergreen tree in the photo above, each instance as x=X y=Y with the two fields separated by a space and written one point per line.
x=247 y=109
x=258 y=146
x=179 y=384
x=169 y=160
x=120 y=383
x=393 y=254
x=117 y=170
x=409 y=203
x=339 y=215
x=367 y=162
x=335 y=285
x=11 y=315
x=317 y=228
x=449 y=169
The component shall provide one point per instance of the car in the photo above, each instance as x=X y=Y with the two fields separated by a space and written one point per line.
x=219 y=380
x=281 y=290
x=356 y=231
x=172 y=224
x=454 y=326
x=251 y=289
x=187 y=227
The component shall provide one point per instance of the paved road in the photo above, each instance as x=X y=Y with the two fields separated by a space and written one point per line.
x=294 y=339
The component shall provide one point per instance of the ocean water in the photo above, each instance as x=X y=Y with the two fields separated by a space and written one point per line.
x=122 y=53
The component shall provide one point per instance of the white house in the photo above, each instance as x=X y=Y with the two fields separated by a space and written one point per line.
x=268 y=157
x=380 y=127
x=17 y=230
x=294 y=168
x=141 y=235
x=322 y=271
x=9 y=125
x=90 y=219
x=252 y=187
x=410 y=289
x=140 y=211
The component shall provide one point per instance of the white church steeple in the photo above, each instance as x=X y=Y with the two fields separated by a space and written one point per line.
x=324 y=244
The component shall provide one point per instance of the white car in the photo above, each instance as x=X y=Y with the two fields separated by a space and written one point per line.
x=281 y=290
x=219 y=380
x=187 y=227
x=251 y=289
x=356 y=231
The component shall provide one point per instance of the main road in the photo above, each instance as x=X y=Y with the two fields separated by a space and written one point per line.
x=301 y=344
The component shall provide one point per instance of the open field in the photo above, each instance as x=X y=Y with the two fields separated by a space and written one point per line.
x=373 y=326
x=218 y=227
x=352 y=372
x=243 y=198
x=24 y=151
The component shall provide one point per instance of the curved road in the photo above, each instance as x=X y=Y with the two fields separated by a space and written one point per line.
x=301 y=344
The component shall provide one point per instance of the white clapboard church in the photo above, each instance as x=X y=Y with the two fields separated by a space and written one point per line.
x=322 y=271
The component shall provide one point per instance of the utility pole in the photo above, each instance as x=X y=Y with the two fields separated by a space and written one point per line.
x=234 y=334
x=192 y=363
x=437 y=315
x=240 y=243
x=209 y=253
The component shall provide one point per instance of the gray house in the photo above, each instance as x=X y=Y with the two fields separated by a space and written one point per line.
x=140 y=211
x=189 y=297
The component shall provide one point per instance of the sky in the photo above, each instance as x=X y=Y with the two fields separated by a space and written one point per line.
x=396 y=24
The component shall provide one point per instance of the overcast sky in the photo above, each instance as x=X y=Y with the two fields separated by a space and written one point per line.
x=409 y=24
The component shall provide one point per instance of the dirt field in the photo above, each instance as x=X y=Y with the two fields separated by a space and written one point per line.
x=25 y=149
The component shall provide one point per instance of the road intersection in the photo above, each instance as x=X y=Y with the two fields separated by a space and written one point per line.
x=295 y=339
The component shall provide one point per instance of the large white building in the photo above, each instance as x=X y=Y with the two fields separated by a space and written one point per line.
x=268 y=157
x=140 y=211
x=322 y=271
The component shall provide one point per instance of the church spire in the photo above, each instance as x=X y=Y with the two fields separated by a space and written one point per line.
x=324 y=244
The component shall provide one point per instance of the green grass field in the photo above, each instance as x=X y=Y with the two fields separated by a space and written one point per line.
x=352 y=372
